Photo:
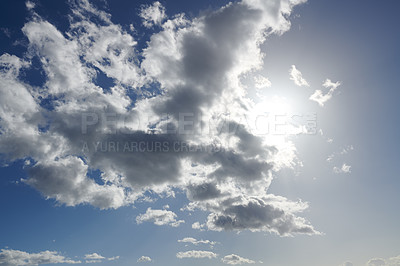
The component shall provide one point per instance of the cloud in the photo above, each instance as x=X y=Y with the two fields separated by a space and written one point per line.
x=10 y=257
x=262 y=82
x=159 y=217
x=297 y=77
x=196 y=242
x=153 y=14
x=321 y=98
x=376 y=262
x=196 y=254
x=270 y=214
x=345 y=169
x=171 y=118
x=30 y=5
x=144 y=259
x=235 y=259
x=97 y=258
x=347 y=263
x=345 y=150
x=393 y=261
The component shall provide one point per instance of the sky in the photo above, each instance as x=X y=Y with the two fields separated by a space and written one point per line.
x=259 y=132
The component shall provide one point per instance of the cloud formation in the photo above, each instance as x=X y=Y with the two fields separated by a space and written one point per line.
x=153 y=14
x=196 y=254
x=297 y=77
x=159 y=217
x=171 y=120
x=321 y=98
x=11 y=257
x=236 y=260
x=144 y=259
x=196 y=242
x=344 y=169
x=393 y=261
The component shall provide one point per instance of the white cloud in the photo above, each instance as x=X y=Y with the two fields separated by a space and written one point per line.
x=153 y=14
x=321 y=98
x=144 y=259
x=345 y=150
x=73 y=124
x=159 y=217
x=393 y=261
x=93 y=256
x=198 y=226
x=196 y=254
x=10 y=257
x=235 y=260
x=97 y=258
x=196 y=242
x=297 y=77
x=262 y=82
x=344 y=169
x=347 y=263
x=30 y=5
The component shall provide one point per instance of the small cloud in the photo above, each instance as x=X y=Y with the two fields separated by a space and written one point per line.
x=347 y=263
x=198 y=226
x=196 y=242
x=321 y=98
x=159 y=217
x=196 y=254
x=93 y=256
x=153 y=14
x=235 y=260
x=30 y=5
x=345 y=169
x=97 y=258
x=297 y=77
x=261 y=82
x=144 y=259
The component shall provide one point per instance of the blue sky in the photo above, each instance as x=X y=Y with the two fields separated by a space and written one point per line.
x=289 y=109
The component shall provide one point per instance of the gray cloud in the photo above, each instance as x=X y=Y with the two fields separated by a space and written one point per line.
x=134 y=132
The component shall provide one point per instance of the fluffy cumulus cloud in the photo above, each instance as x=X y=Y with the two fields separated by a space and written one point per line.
x=153 y=14
x=236 y=260
x=10 y=257
x=144 y=259
x=320 y=97
x=297 y=77
x=196 y=254
x=172 y=118
x=159 y=217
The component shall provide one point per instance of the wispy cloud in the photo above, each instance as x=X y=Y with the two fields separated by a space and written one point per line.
x=344 y=169
x=196 y=242
x=297 y=77
x=321 y=98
